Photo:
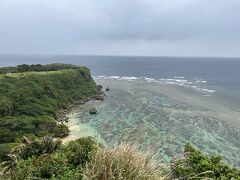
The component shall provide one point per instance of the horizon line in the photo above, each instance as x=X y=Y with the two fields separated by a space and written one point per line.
x=109 y=55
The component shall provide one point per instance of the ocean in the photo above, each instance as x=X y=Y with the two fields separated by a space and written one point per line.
x=221 y=72
x=160 y=103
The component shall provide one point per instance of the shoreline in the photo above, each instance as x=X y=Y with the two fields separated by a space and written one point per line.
x=67 y=116
x=78 y=129
x=71 y=126
x=63 y=114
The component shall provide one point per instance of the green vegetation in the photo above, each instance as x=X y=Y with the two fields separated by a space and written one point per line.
x=196 y=164
x=86 y=159
x=29 y=100
x=36 y=68
x=5 y=149
x=123 y=162
x=80 y=159
x=61 y=130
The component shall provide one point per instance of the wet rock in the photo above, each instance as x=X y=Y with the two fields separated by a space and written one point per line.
x=99 y=93
x=93 y=111
x=100 y=98
x=99 y=87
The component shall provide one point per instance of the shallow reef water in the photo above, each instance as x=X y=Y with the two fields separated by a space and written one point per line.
x=162 y=118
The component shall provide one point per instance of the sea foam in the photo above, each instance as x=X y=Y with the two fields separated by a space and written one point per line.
x=176 y=81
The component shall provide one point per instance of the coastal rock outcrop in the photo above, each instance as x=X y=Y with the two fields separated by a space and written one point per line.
x=93 y=111
x=99 y=93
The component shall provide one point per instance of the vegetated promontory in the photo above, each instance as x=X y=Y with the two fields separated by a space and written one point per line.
x=31 y=96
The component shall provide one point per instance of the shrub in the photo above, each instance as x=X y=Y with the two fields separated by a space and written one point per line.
x=45 y=159
x=194 y=163
x=37 y=148
x=61 y=130
x=49 y=166
x=24 y=170
x=80 y=152
x=84 y=159
x=6 y=135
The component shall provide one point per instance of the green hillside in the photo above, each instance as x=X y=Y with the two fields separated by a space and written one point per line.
x=29 y=99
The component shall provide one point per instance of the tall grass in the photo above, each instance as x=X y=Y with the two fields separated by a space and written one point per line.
x=125 y=162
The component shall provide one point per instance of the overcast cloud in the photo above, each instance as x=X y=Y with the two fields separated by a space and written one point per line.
x=121 y=27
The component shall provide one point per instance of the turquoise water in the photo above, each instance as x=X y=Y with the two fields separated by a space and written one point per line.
x=163 y=118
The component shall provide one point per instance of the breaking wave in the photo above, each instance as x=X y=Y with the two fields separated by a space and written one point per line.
x=196 y=84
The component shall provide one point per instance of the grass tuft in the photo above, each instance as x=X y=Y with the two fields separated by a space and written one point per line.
x=123 y=162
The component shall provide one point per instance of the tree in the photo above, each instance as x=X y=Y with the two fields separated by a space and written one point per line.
x=23 y=68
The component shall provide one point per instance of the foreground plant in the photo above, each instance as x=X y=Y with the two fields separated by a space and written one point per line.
x=28 y=148
x=196 y=165
x=49 y=159
x=85 y=159
x=123 y=162
x=9 y=166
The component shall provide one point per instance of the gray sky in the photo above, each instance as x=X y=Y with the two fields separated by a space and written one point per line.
x=121 y=27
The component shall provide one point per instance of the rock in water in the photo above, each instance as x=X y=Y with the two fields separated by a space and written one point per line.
x=100 y=98
x=93 y=111
x=99 y=87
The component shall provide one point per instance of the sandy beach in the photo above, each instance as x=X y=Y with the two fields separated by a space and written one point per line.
x=78 y=129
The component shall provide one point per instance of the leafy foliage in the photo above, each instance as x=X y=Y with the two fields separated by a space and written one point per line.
x=36 y=148
x=9 y=166
x=85 y=159
x=54 y=164
x=61 y=130
x=194 y=162
x=12 y=128
x=81 y=151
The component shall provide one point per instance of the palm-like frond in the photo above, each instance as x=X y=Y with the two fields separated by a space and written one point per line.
x=50 y=145
x=10 y=165
x=26 y=140
x=18 y=149
x=28 y=148
x=36 y=148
